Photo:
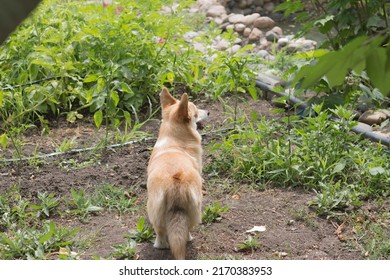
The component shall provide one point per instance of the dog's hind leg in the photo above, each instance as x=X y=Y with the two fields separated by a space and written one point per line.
x=161 y=241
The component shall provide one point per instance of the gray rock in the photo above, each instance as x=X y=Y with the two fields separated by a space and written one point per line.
x=234 y=49
x=247 y=32
x=264 y=23
x=259 y=9
x=308 y=45
x=238 y=41
x=277 y=30
x=199 y=47
x=218 y=20
x=293 y=47
x=255 y=35
x=225 y=18
x=263 y=53
x=269 y=7
x=242 y=4
x=236 y=18
x=188 y=36
x=301 y=44
x=249 y=19
x=224 y=26
x=372 y=117
x=239 y=27
x=222 y=45
x=271 y=36
x=264 y=44
x=216 y=11
x=258 y=2
x=230 y=27
x=282 y=42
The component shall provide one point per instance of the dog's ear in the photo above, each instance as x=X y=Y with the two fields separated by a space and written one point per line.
x=183 y=108
x=166 y=99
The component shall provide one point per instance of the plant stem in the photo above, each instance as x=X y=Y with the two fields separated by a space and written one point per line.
x=385 y=15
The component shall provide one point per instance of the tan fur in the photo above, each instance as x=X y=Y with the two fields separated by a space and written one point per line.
x=174 y=175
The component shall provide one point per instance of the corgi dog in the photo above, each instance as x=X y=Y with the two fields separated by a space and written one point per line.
x=174 y=182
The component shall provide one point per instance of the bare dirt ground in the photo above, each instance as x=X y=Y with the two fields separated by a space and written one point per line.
x=285 y=237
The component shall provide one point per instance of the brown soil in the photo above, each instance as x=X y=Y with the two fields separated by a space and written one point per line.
x=286 y=236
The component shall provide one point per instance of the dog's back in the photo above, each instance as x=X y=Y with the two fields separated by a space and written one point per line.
x=174 y=176
x=174 y=205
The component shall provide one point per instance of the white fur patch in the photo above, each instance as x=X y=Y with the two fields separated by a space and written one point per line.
x=195 y=197
x=160 y=198
x=161 y=143
x=202 y=115
x=160 y=243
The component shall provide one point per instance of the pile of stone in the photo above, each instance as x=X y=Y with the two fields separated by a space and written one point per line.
x=252 y=27
x=250 y=6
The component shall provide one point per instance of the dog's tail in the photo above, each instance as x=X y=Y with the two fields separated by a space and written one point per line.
x=177 y=228
x=183 y=207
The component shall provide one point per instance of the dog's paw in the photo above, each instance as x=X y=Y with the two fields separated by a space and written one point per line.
x=190 y=237
x=161 y=244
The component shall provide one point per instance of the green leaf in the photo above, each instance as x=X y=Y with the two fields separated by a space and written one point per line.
x=325 y=25
x=126 y=88
x=377 y=170
x=98 y=118
x=388 y=59
x=252 y=92
x=334 y=65
x=140 y=224
x=290 y=7
x=46 y=211
x=376 y=69
x=339 y=167
x=72 y=116
x=127 y=118
x=374 y=21
x=1 y=97
x=47 y=236
x=311 y=54
x=278 y=110
x=115 y=98
x=4 y=140
x=170 y=77
x=91 y=78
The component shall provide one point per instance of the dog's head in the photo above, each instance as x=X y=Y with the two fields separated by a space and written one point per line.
x=181 y=111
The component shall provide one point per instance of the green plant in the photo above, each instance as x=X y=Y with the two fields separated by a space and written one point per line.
x=15 y=209
x=335 y=18
x=114 y=199
x=125 y=251
x=367 y=58
x=250 y=244
x=143 y=231
x=336 y=197
x=66 y=145
x=82 y=56
x=371 y=234
x=315 y=153
x=357 y=30
x=48 y=204
x=233 y=74
x=65 y=253
x=33 y=243
x=301 y=215
x=82 y=204
x=74 y=163
x=13 y=135
x=213 y=213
